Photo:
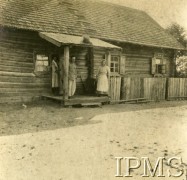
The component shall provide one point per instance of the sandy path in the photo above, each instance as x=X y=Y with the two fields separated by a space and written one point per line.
x=87 y=152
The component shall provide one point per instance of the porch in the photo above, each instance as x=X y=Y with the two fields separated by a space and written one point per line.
x=81 y=100
x=89 y=53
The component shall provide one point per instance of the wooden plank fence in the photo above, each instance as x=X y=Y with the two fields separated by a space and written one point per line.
x=115 y=87
x=177 y=88
x=149 y=88
x=155 y=88
x=132 y=88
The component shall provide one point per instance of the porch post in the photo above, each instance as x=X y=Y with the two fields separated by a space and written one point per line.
x=65 y=72
x=108 y=58
x=61 y=59
x=108 y=63
x=174 y=63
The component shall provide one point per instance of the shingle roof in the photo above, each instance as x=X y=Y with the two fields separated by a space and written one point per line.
x=60 y=39
x=77 y=17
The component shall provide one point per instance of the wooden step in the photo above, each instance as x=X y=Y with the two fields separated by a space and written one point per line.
x=146 y=101
x=138 y=100
x=79 y=100
x=91 y=104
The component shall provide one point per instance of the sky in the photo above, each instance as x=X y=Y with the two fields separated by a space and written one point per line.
x=164 y=12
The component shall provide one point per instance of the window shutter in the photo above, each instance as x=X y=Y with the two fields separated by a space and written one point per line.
x=164 y=66
x=153 y=68
x=164 y=61
x=122 y=64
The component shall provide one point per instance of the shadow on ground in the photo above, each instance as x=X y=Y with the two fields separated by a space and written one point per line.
x=47 y=115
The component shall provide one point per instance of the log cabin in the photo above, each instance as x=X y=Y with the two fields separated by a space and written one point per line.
x=31 y=32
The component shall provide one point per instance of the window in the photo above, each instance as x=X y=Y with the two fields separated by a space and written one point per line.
x=159 y=68
x=159 y=65
x=114 y=64
x=41 y=63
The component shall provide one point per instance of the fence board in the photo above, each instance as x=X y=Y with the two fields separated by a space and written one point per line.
x=115 y=87
x=177 y=88
x=150 y=88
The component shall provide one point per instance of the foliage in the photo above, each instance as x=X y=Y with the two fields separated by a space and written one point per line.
x=178 y=32
x=181 y=65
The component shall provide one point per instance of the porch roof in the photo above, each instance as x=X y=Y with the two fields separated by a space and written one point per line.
x=64 y=39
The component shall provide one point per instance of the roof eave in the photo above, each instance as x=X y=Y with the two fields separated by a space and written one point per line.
x=144 y=44
x=106 y=39
x=63 y=42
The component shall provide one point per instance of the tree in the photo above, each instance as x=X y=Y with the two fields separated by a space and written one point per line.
x=178 y=32
x=181 y=66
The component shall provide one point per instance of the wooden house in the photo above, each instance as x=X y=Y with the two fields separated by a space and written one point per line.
x=31 y=32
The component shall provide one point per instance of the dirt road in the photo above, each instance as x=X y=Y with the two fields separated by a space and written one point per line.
x=86 y=148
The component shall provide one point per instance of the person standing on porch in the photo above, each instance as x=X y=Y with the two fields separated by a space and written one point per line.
x=72 y=77
x=103 y=76
x=55 y=80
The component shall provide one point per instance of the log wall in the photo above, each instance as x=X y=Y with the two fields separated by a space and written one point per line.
x=138 y=65
x=138 y=60
x=17 y=80
x=19 y=83
x=82 y=63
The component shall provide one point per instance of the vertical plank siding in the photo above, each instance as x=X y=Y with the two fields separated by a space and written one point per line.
x=177 y=88
x=132 y=88
x=17 y=80
x=155 y=88
x=115 y=88
x=150 y=88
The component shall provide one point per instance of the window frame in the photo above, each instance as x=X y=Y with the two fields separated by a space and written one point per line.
x=158 y=68
x=35 y=61
x=116 y=64
x=158 y=62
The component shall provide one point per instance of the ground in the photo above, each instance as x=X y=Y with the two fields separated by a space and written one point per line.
x=46 y=141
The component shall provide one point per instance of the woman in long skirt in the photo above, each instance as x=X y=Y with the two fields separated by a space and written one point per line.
x=72 y=77
x=55 y=81
x=103 y=76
